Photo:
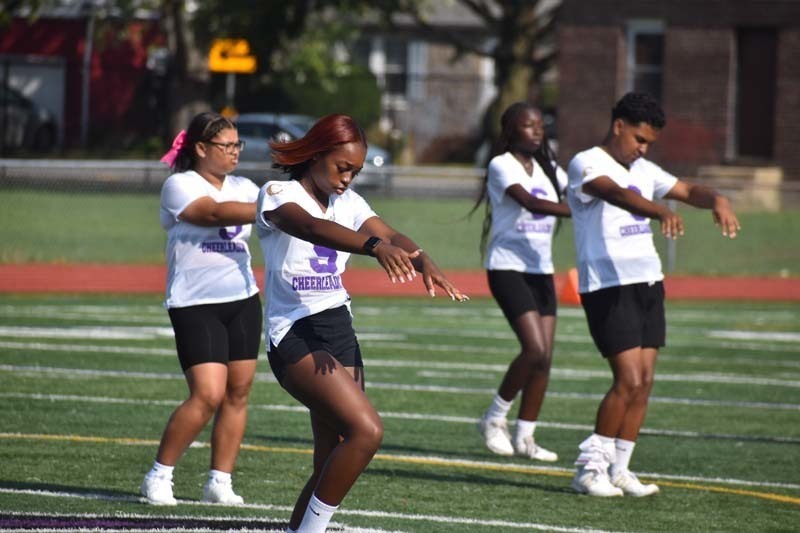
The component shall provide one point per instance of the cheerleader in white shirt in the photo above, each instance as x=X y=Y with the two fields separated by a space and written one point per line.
x=612 y=189
x=523 y=191
x=212 y=300
x=308 y=227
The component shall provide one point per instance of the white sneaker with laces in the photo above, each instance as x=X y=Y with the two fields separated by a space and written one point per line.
x=594 y=483
x=216 y=491
x=496 y=436
x=527 y=447
x=631 y=486
x=157 y=490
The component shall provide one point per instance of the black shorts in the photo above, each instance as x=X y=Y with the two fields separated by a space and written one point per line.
x=518 y=292
x=217 y=333
x=328 y=331
x=626 y=316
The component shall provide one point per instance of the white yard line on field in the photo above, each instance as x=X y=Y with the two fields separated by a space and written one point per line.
x=427 y=417
x=269 y=378
x=731 y=485
x=417 y=347
x=442 y=519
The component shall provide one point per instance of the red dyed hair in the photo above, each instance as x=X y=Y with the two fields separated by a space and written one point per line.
x=295 y=156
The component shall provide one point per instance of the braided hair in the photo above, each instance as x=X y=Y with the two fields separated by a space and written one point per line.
x=544 y=156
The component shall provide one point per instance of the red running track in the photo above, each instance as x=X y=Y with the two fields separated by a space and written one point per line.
x=96 y=278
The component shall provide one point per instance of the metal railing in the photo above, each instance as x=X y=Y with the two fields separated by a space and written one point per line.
x=399 y=181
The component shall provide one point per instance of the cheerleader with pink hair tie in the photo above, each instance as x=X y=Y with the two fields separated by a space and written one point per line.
x=212 y=301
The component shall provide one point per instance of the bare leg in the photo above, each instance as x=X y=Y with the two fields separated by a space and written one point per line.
x=634 y=417
x=206 y=389
x=534 y=391
x=347 y=429
x=231 y=417
x=622 y=411
x=530 y=370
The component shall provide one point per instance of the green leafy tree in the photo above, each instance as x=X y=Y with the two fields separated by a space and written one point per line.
x=520 y=42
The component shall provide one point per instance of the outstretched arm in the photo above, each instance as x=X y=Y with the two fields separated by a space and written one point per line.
x=423 y=263
x=607 y=189
x=539 y=206
x=707 y=198
x=208 y=212
x=297 y=222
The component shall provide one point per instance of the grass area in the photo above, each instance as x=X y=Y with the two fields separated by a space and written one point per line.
x=88 y=383
x=37 y=226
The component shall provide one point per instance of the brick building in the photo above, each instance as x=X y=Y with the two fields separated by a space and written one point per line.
x=727 y=73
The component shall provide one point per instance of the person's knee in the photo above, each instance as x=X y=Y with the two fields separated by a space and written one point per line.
x=236 y=394
x=368 y=432
x=208 y=399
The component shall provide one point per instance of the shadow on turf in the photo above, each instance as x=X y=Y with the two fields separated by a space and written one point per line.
x=477 y=479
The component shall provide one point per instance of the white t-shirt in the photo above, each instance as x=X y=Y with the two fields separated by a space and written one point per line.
x=520 y=240
x=615 y=247
x=301 y=278
x=205 y=264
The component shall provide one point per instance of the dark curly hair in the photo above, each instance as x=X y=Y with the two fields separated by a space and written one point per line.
x=202 y=128
x=635 y=108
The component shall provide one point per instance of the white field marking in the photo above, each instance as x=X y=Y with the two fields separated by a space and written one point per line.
x=89 y=348
x=525 y=467
x=36 y=371
x=582 y=338
x=569 y=374
x=78 y=317
x=390 y=415
x=54 y=310
x=769 y=336
x=452 y=520
x=117 y=333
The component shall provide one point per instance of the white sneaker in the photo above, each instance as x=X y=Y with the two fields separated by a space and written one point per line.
x=496 y=436
x=216 y=491
x=594 y=483
x=157 y=490
x=527 y=447
x=631 y=486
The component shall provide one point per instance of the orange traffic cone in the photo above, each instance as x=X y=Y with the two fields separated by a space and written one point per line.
x=569 y=292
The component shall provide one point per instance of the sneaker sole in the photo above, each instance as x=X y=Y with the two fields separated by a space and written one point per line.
x=580 y=489
x=148 y=501
x=641 y=494
x=542 y=459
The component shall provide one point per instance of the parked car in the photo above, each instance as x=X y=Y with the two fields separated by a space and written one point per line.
x=23 y=123
x=257 y=129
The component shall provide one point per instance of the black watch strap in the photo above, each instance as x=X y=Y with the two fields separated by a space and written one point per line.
x=370 y=244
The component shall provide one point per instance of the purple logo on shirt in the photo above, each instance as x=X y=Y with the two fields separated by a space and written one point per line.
x=538 y=193
x=229 y=235
x=325 y=262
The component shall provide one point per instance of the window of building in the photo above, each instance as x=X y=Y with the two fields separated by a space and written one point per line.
x=645 y=40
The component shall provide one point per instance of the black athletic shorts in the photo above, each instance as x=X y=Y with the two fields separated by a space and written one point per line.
x=626 y=316
x=328 y=331
x=518 y=292
x=217 y=333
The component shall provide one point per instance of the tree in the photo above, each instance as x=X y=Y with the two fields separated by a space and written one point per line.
x=521 y=37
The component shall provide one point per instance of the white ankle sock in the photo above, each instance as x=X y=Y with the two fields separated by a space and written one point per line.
x=499 y=407
x=524 y=428
x=161 y=470
x=624 y=450
x=219 y=475
x=317 y=516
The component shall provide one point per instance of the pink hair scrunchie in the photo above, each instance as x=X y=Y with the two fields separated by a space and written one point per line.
x=177 y=144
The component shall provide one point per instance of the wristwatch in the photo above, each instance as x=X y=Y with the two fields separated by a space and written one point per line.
x=370 y=244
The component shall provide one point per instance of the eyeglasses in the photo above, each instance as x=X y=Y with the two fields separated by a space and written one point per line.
x=229 y=148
